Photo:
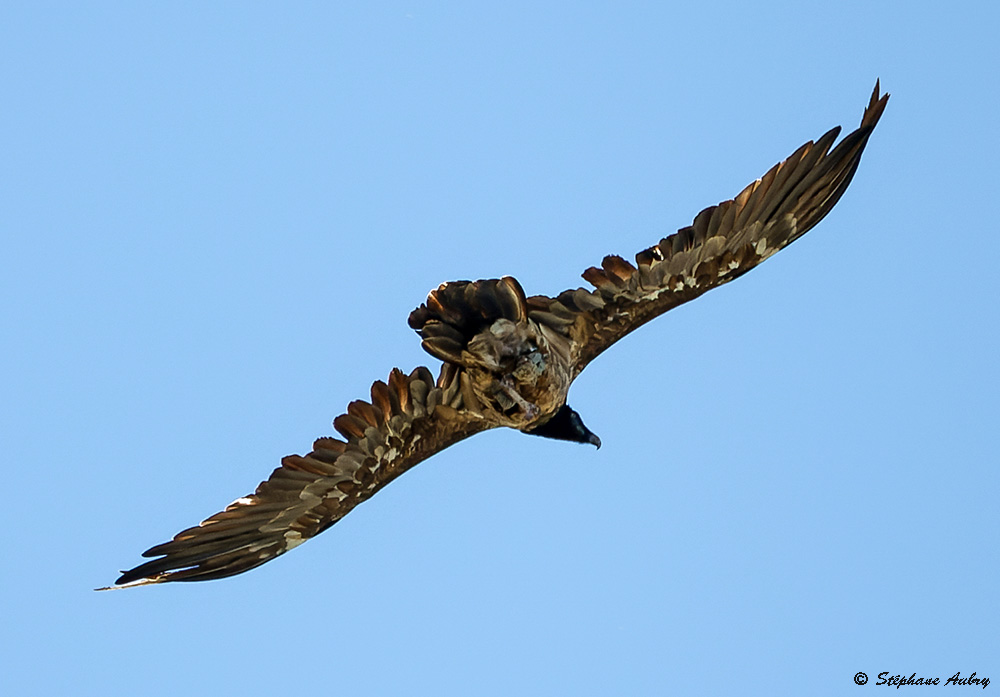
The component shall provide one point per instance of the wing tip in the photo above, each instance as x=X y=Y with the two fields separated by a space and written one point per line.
x=876 y=105
x=122 y=584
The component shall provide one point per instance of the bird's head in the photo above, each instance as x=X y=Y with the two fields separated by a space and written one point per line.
x=566 y=424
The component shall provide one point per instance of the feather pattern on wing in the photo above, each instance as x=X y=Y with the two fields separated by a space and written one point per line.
x=408 y=419
x=723 y=243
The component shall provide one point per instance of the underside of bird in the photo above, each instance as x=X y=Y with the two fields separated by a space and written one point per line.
x=513 y=364
x=509 y=360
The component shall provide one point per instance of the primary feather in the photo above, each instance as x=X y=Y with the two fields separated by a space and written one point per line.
x=509 y=360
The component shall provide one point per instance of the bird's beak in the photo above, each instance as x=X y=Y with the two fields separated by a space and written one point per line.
x=595 y=440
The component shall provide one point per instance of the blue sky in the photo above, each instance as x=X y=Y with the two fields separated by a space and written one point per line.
x=215 y=219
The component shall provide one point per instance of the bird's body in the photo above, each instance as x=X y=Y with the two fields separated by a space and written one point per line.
x=514 y=370
x=509 y=361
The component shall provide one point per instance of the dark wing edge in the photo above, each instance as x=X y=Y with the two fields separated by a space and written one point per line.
x=409 y=418
x=722 y=244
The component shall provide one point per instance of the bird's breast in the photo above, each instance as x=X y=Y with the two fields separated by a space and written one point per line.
x=517 y=373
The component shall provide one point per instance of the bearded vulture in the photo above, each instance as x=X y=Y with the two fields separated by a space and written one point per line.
x=509 y=360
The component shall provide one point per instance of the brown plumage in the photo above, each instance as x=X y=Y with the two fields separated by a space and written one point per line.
x=509 y=361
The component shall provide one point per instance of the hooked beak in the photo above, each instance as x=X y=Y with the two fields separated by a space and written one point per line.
x=594 y=439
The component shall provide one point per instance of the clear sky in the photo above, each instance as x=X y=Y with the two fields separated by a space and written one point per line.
x=217 y=216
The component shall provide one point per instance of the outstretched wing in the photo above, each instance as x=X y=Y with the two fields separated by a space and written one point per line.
x=723 y=243
x=408 y=419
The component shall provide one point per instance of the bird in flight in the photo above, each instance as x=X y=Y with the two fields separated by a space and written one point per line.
x=509 y=360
